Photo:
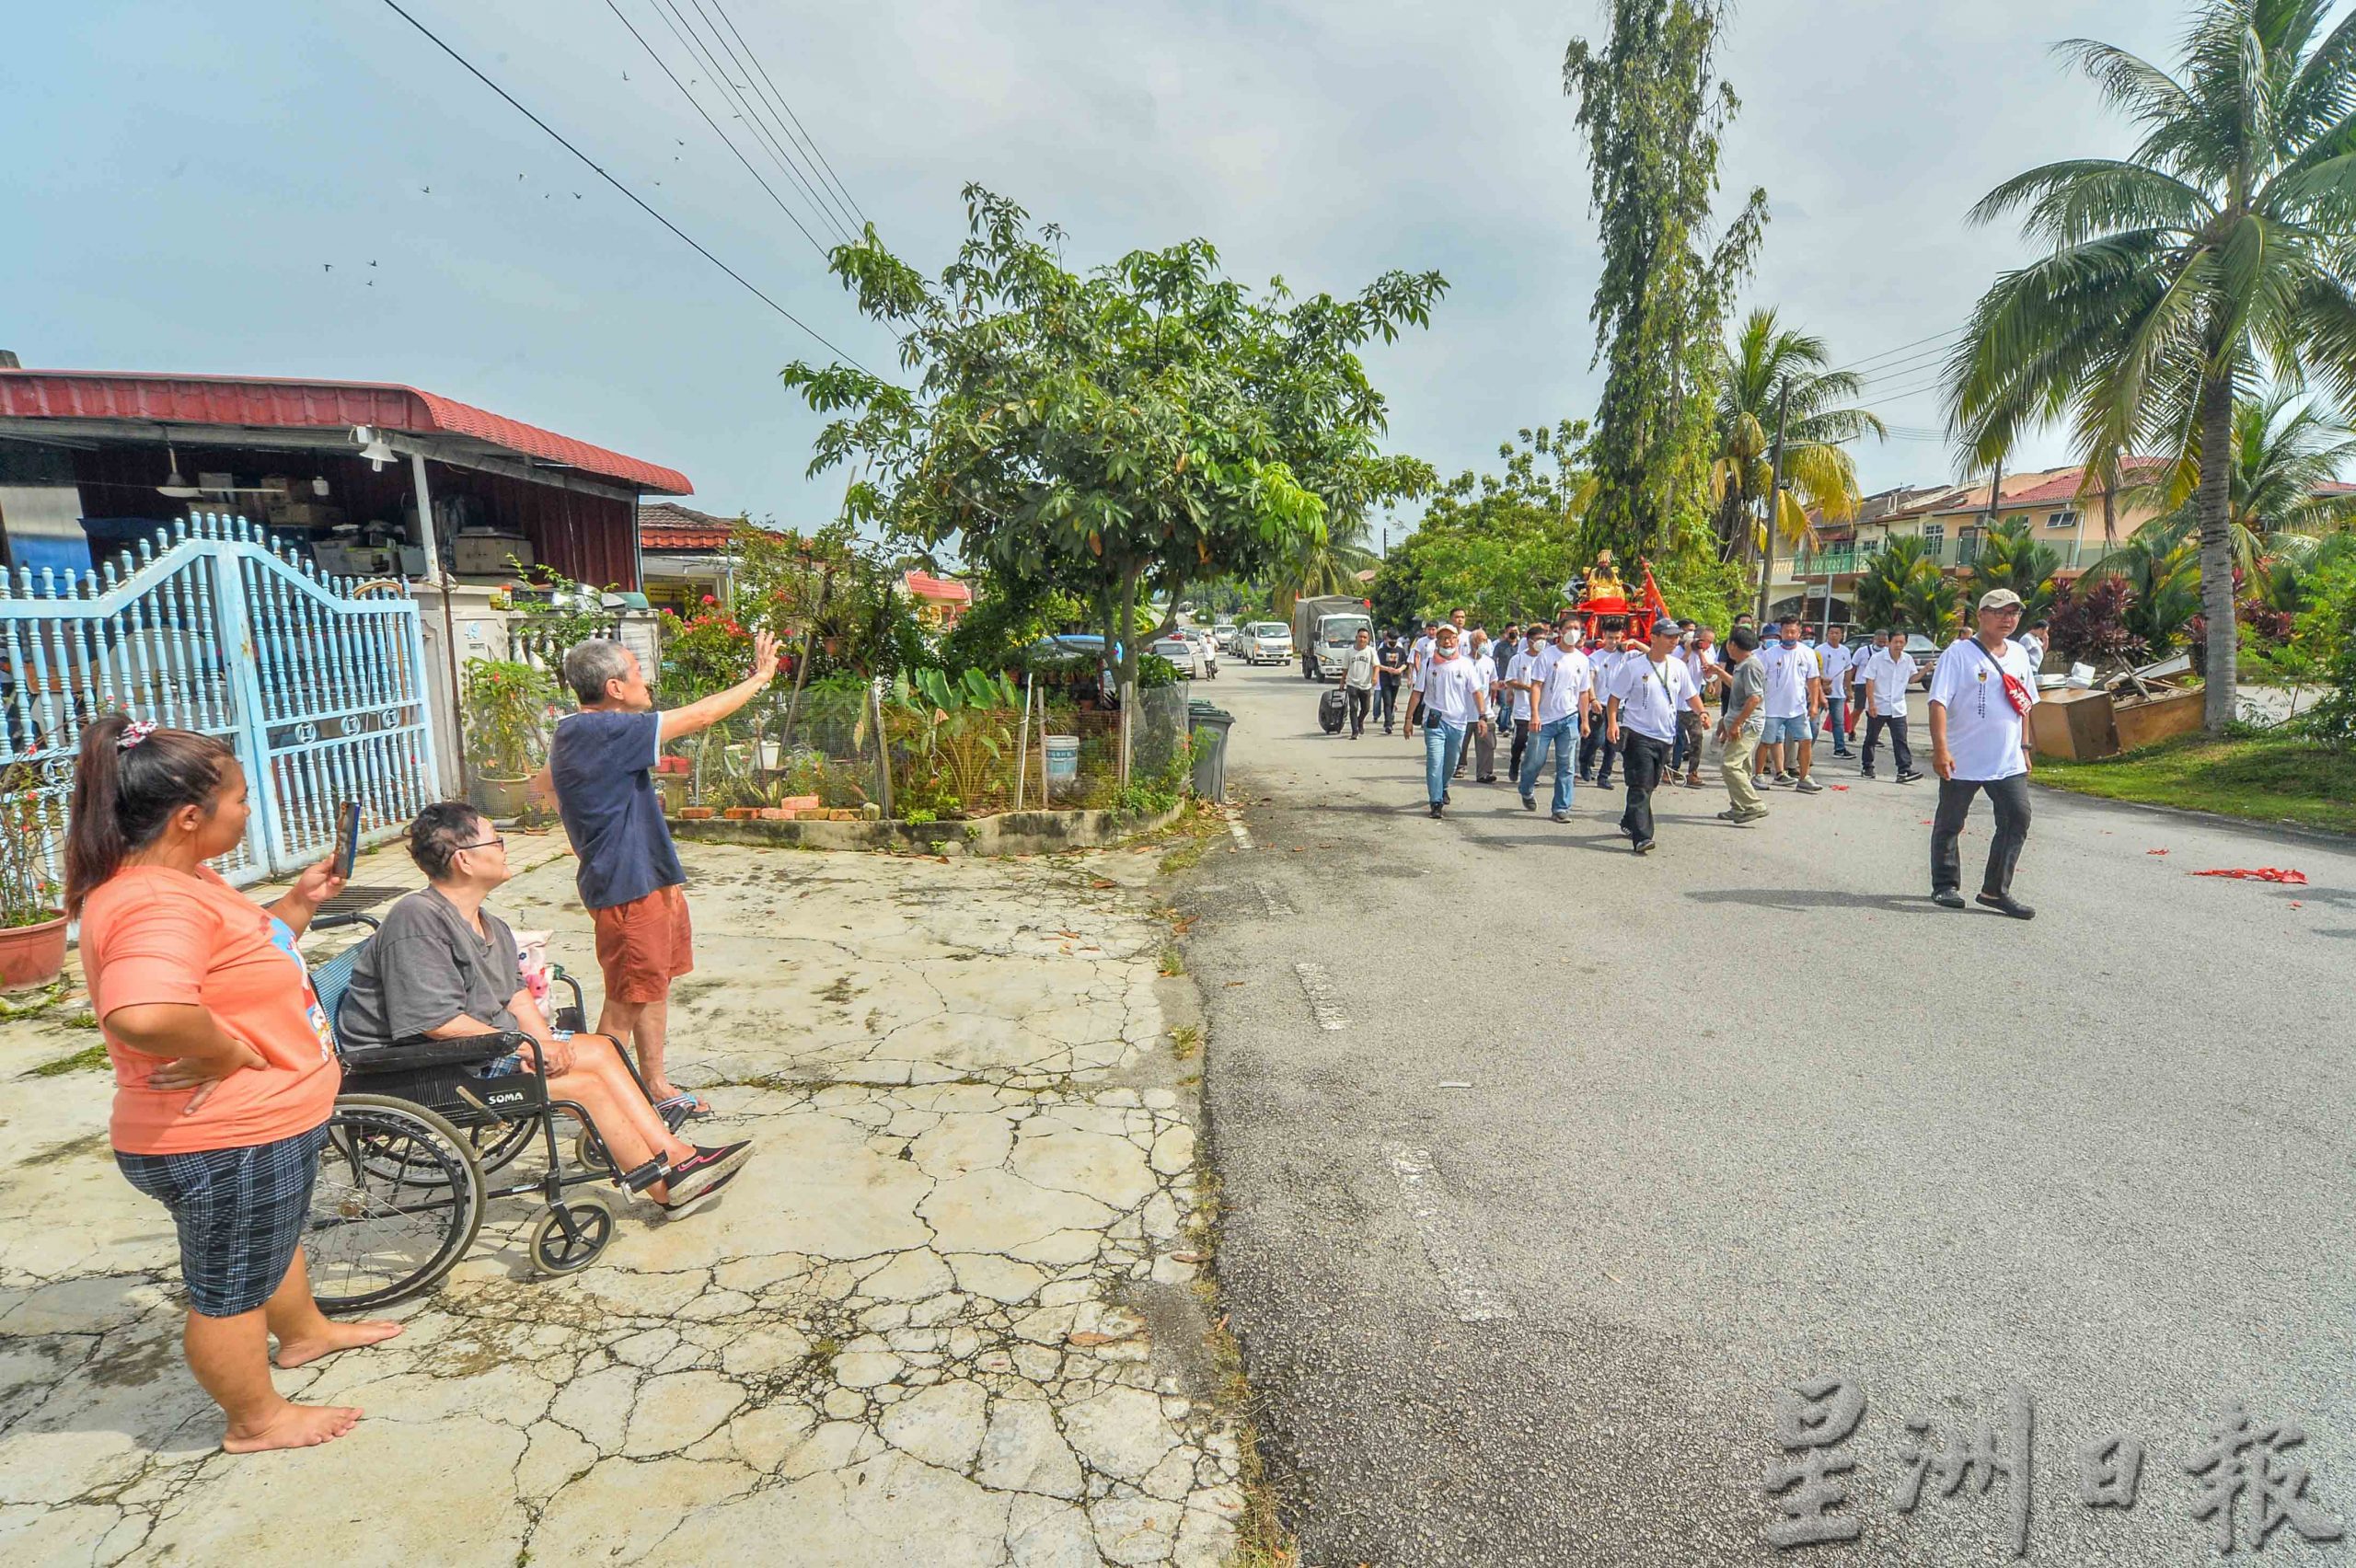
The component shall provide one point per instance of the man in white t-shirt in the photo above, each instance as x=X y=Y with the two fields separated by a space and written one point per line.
x=1520 y=679
x=1890 y=672
x=1484 y=749
x=1452 y=699
x=1360 y=667
x=1602 y=659
x=1835 y=659
x=1977 y=714
x=1563 y=684
x=1649 y=689
x=1700 y=651
x=2033 y=642
x=1795 y=694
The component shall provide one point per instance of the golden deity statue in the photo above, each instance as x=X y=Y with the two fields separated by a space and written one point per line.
x=1602 y=582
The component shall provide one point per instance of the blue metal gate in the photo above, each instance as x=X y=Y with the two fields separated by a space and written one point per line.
x=318 y=682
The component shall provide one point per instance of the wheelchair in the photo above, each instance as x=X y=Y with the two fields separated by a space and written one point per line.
x=416 y=1140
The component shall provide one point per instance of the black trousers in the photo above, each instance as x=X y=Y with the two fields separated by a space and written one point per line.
x=2010 y=797
x=1387 y=702
x=1896 y=724
x=1647 y=759
x=1594 y=744
x=1520 y=745
x=1361 y=700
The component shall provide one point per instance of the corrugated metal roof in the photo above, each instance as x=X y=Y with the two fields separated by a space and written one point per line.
x=261 y=402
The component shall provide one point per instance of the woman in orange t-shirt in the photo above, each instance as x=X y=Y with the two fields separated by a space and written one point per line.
x=225 y=1071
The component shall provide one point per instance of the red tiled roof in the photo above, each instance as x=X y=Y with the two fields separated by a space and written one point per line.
x=939 y=589
x=2064 y=486
x=260 y=402
x=665 y=525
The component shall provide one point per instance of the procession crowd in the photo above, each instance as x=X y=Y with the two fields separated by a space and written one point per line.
x=1646 y=703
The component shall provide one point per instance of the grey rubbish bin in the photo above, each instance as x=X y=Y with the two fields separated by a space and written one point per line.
x=1207 y=727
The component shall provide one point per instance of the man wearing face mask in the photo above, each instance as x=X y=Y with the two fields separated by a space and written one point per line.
x=1794 y=696
x=1649 y=690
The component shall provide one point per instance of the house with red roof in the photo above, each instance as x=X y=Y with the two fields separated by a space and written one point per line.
x=683 y=555
x=938 y=600
x=368 y=478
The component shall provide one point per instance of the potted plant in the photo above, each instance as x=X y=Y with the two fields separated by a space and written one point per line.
x=32 y=922
x=505 y=704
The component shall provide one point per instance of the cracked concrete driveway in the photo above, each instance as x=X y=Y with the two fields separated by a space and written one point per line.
x=948 y=1315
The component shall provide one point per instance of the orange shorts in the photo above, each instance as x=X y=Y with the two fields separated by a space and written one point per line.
x=645 y=944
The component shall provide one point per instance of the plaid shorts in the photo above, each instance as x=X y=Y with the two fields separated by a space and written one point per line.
x=239 y=1213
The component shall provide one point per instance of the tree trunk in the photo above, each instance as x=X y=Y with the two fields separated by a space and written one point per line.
x=2217 y=549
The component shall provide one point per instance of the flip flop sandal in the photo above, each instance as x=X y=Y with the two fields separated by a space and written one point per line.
x=688 y=1107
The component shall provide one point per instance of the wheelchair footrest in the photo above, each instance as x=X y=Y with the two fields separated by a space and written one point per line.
x=645 y=1176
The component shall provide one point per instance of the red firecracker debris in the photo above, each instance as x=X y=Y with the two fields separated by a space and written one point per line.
x=1843 y=787
x=2155 y=851
x=2260 y=873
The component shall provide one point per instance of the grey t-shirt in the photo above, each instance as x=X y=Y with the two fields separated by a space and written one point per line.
x=425 y=966
x=1745 y=681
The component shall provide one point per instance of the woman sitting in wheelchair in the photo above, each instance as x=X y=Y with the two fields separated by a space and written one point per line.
x=442 y=967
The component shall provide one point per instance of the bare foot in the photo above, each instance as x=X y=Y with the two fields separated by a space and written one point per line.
x=340 y=1336
x=292 y=1426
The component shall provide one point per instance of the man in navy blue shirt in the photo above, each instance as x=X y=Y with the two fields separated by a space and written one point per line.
x=629 y=876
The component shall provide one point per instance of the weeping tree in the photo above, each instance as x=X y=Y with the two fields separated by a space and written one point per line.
x=2216 y=251
x=1653 y=111
x=1120 y=433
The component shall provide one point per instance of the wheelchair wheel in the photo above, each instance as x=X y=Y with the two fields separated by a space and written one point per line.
x=496 y=1144
x=397 y=1204
x=589 y=1153
x=571 y=1235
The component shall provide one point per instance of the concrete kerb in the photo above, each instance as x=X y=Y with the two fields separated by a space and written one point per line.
x=1009 y=833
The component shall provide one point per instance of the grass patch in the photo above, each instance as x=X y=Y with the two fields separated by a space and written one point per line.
x=1174 y=963
x=88 y=1060
x=2266 y=777
x=1189 y=836
x=1185 y=1041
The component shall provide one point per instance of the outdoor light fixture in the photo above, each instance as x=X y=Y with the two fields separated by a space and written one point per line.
x=320 y=486
x=371 y=446
x=176 y=483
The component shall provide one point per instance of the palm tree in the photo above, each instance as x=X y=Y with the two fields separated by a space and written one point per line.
x=2010 y=557
x=1758 y=365
x=2163 y=569
x=2220 y=244
x=1757 y=368
x=1902 y=588
x=1329 y=565
x=2287 y=451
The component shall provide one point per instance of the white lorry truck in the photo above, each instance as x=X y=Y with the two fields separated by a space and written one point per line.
x=1322 y=630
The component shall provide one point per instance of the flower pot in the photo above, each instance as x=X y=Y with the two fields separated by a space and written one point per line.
x=31 y=955
x=500 y=799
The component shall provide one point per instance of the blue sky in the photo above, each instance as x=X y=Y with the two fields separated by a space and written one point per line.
x=253 y=188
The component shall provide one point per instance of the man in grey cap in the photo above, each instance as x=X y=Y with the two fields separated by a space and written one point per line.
x=1981 y=691
x=1648 y=692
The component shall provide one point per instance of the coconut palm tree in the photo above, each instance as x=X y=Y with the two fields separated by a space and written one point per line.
x=2287 y=452
x=1758 y=366
x=1329 y=564
x=2217 y=249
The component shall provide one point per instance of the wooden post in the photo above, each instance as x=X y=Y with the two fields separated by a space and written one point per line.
x=883 y=747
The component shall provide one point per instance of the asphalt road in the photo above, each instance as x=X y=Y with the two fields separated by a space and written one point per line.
x=1548 y=1166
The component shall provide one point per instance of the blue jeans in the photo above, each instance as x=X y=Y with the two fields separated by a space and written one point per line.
x=1443 y=744
x=1562 y=736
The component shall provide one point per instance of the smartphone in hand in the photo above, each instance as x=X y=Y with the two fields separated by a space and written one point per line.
x=347 y=838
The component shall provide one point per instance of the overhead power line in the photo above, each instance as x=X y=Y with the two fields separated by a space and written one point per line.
x=633 y=197
x=693 y=42
x=697 y=104
x=1908 y=369
x=808 y=141
x=1890 y=353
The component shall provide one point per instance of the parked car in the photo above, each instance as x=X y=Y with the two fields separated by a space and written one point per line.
x=1236 y=639
x=1925 y=654
x=1271 y=643
x=1180 y=650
